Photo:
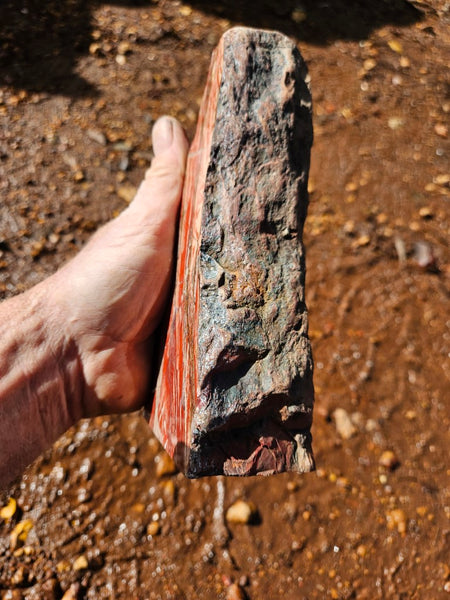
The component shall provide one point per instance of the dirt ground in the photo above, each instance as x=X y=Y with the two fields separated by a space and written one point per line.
x=103 y=515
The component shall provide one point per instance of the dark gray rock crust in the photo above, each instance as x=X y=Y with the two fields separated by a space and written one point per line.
x=255 y=364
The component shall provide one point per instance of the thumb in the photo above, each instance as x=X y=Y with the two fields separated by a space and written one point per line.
x=160 y=192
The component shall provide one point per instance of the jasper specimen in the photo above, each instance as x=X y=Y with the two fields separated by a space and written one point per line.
x=234 y=394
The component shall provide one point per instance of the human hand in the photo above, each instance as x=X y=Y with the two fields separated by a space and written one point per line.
x=112 y=295
x=78 y=344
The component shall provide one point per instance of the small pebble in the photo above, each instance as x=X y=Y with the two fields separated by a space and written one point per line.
x=86 y=468
x=37 y=247
x=395 y=46
x=7 y=511
x=50 y=589
x=185 y=11
x=72 y=593
x=80 y=563
x=169 y=490
x=405 y=62
x=153 y=528
x=292 y=486
x=441 y=130
x=361 y=550
x=371 y=425
x=343 y=482
x=235 y=592
x=53 y=238
x=20 y=533
x=241 y=512
x=78 y=176
x=18 y=577
x=63 y=566
x=351 y=186
x=349 y=227
x=389 y=460
x=426 y=212
x=363 y=240
x=24 y=551
x=15 y=594
x=423 y=255
x=396 y=519
x=297 y=545
x=395 y=123
x=298 y=15
x=400 y=248
x=96 y=136
x=369 y=64
x=123 y=48
x=421 y=511
x=164 y=465
x=83 y=495
x=344 y=425
x=126 y=192
x=442 y=179
x=94 y=48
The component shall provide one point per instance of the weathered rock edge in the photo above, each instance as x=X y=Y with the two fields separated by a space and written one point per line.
x=234 y=393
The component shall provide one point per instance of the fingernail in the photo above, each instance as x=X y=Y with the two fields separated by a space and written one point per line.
x=162 y=135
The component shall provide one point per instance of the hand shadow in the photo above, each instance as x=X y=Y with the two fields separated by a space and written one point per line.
x=41 y=41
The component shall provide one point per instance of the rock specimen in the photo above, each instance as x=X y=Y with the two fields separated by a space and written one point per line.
x=234 y=393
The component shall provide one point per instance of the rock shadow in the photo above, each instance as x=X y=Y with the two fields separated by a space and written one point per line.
x=313 y=21
x=40 y=42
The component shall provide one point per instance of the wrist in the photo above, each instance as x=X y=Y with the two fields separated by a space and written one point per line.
x=53 y=364
x=39 y=394
x=63 y=369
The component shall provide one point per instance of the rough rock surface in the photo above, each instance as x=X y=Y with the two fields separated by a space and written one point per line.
x=234 y=394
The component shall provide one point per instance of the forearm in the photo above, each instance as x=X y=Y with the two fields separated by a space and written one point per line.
x=40 y=395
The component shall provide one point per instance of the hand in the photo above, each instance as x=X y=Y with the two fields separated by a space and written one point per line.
x=79 y=343
x=112 y=295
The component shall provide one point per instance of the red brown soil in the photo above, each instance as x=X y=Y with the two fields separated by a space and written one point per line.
x=81 y=84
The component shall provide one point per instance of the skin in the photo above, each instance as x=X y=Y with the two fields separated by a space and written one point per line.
x=79 y=343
